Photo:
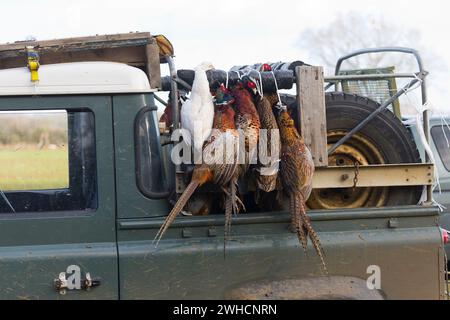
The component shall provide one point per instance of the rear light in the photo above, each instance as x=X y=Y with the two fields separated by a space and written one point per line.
x=445 y=236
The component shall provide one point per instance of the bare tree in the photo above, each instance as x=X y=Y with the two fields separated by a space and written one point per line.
x=354 y=31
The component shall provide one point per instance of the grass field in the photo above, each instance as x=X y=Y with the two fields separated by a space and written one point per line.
x=33 y=169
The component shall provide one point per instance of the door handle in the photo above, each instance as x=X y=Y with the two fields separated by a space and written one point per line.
x=62 y=284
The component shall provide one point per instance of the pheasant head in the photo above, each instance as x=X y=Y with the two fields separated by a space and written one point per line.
x=223 y=96
x=244 y=100
x=266 y=67
x=288 y=131
x=249 y=84
x=224 y=112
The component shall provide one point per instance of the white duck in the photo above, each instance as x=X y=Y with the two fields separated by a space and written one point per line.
x=197 y=113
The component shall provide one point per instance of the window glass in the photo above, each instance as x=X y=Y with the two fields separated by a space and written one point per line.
x=47 y=161
x=33 y=150
x=149 y=173
x=441 y=138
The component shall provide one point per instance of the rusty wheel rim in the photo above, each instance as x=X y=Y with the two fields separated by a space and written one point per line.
x=359 y=149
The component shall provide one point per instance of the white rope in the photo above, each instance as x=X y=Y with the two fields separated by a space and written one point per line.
x=276 y=87
x=420 y=109
x=276 y=65
x=440 y=206
x=443 y=121
x=410 y=87
x=226 y=83
x=260 y=89
x=238 y=72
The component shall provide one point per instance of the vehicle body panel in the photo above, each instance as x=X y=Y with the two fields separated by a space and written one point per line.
x=36 y=247
x=190 y=264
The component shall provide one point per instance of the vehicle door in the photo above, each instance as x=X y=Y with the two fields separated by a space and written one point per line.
x=57 y=205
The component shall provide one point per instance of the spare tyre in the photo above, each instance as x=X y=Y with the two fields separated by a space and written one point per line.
x=384 y=140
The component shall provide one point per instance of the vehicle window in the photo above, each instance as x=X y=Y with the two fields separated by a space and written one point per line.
x=47 y=161
x=149 y=174
x=441 y=138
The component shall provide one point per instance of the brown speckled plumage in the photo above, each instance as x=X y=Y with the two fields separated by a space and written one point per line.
x=220 y=171
x=247 y=120
x=272 y=98
x=266 y=179
x=297 y=169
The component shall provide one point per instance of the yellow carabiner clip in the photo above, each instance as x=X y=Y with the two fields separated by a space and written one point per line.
x=33 y=63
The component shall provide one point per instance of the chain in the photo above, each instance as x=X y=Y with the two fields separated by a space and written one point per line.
x=355 y=179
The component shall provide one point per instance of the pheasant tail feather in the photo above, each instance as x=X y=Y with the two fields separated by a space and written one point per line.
x=184 y=198
x=311 y=232
x=297 y=222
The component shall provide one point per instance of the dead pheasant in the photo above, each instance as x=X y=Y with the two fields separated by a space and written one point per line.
x=247 y=121
x=268 y=172
x=297 y=169
x=219 y=169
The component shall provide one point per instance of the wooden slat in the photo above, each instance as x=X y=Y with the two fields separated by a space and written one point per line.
x=387 y=175
x=312 y=114
x=153 y=66
x=134 y=56
x=78 y=40
x=135 y=49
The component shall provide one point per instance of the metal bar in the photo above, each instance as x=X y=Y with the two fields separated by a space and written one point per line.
x=369 y=76
x=174 y=92
x=420 y=64
x=3 y=195
x=361 y=125
x=161 y=100
x=281 y=217
x=186 y=85
x=175 y=107
x=390 y=175
x=328 y=86
x=426 y=128
x=415 y=53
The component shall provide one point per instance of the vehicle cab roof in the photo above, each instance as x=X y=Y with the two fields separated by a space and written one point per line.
x=75 y=78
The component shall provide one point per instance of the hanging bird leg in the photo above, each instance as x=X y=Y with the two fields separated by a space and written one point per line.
x=228 y=218
x=238 y=202
x=232 y=207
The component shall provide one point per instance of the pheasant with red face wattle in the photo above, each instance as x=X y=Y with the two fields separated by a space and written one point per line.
x=247 y=121
x=263 y=177
x=218 y=168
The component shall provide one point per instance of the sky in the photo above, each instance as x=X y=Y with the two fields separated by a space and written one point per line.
x=228 y=32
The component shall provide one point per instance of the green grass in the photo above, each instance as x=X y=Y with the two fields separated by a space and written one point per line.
x=33 y=169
